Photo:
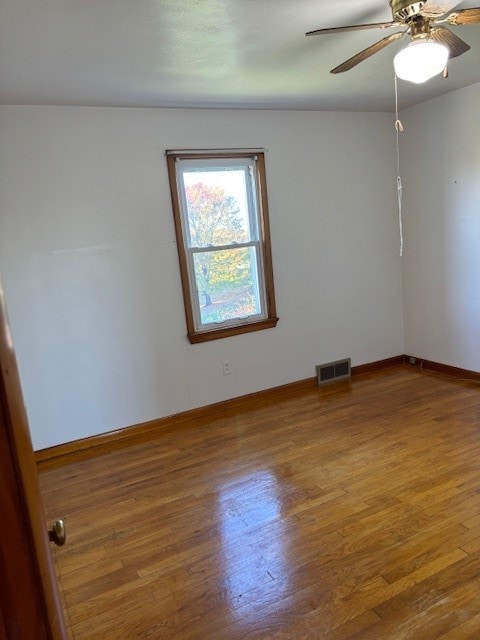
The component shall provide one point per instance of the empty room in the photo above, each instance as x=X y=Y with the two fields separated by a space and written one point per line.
x=240 y=311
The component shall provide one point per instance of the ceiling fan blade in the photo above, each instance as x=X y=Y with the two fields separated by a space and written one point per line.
x=465 y=16
x=436 y=8
x=354 y=27
x=456 y=45
x=366 y=53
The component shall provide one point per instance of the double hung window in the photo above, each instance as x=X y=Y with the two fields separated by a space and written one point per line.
x=221 y=220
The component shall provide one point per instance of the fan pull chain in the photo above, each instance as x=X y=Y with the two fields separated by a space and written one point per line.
x=398 y=130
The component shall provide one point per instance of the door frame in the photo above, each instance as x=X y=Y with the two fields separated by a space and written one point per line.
x=30 y=604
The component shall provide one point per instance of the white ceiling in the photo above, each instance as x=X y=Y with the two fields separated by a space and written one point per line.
x=206 y=53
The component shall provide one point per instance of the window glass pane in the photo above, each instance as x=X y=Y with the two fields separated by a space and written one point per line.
x=227 y=284
x=217 y=206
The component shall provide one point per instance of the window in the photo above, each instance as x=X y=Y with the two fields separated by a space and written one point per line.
x=221 y=222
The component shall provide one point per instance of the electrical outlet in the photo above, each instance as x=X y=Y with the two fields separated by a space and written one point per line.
x=226 y=368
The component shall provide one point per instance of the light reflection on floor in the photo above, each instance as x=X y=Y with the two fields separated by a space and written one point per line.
x=253 y=541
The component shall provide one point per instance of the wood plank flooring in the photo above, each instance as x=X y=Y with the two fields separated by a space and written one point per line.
x=351 y=512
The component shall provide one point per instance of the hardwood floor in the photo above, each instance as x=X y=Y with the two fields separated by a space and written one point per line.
x=351 y=512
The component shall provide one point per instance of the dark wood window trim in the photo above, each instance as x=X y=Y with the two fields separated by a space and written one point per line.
x=270 y=320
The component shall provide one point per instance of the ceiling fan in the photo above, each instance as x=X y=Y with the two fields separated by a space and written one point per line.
x=422 y=22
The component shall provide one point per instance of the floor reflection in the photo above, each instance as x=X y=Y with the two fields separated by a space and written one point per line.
x=254 y=544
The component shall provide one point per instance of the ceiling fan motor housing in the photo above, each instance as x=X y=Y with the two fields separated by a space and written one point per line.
x=419 y=28
x=404 y=9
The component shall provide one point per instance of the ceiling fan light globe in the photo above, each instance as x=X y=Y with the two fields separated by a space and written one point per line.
x=420 y=60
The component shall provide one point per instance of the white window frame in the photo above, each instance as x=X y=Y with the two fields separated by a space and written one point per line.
x=253 y=164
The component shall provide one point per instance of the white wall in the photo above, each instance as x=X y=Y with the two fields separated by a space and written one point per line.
x=89 y=262
x=441 y=267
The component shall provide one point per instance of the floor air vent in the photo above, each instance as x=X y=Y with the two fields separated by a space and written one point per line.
x=333 y=371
